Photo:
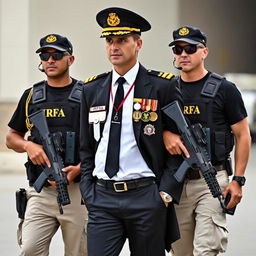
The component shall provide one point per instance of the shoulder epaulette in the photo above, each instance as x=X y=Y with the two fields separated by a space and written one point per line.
x=95 y=77
x=160 y=74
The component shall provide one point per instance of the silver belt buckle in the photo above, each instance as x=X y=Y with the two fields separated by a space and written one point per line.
x=120 y=183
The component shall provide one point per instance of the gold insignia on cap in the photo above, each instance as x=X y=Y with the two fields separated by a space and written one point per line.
x=183 y=31
x=51 y=39
x=113 y=19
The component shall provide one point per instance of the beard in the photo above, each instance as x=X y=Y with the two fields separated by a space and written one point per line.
x=56 y=74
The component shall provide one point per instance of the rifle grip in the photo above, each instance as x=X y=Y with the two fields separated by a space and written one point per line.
x=39 y=183
x=180 y=174
x=230 y=211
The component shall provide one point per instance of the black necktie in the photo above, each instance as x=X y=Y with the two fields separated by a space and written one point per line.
x=112 y=160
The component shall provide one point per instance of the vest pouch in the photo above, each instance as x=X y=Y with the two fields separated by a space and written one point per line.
x=219 y=145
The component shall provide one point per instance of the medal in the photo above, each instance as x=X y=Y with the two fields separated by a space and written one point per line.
x=145 y=117
x=137 y=100
x=153 y=116
x=149 y=129
x=154 y=105
x=136 y=116
x=143 y=104
x=137 y=106
x=148 y=104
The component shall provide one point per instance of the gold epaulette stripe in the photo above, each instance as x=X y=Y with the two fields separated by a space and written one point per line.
x=161 y=74
x=90 y=79
x=170 y=76
x=95 y=77
x=164 y=75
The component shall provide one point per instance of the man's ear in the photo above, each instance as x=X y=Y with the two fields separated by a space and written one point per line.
x=205 y=51
x=139 y=44
x=71 y=59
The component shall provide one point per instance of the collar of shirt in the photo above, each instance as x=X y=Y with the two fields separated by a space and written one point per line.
x=130 y=76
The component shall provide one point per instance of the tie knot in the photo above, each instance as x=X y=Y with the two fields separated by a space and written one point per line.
x=121 y=80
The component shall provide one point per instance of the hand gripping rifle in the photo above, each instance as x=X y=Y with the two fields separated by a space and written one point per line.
x=194 y=140
x=52 y=149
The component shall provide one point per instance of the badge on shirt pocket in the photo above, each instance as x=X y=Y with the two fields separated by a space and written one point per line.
x=97 y=115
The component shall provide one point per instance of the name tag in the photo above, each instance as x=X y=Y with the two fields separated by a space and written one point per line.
x=97 y=117
x=97 y=108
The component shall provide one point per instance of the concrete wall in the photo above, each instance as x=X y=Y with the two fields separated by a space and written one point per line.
x=14 y=47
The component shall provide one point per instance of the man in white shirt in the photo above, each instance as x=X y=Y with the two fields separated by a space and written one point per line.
x=127 y=180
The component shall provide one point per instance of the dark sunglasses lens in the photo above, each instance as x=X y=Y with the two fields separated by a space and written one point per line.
x=177 y=49
x=55 y=55
x=190 y=49
x=45 y=56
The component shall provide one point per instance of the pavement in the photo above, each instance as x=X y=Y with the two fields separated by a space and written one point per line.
x=241 y=226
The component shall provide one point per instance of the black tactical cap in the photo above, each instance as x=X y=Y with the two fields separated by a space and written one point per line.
x=117 y=21
x=191 y=35
x=57 y=42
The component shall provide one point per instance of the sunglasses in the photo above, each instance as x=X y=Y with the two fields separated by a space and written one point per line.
x=55 y=55
x=189 y=49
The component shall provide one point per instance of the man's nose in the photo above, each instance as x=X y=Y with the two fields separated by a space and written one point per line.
x=51 y=59
x=114 y=46
x=183 y=53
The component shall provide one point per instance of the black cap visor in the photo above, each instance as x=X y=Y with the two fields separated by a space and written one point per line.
x=52 y=46
x=187 y=40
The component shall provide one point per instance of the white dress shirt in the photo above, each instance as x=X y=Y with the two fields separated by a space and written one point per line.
x=131 y=163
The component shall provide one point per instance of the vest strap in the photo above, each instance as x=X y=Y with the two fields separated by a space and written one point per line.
x=212 y=85
x=76 y=92
x=39 y=92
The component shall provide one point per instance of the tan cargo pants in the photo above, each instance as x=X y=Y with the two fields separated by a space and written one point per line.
x=42 y=220
x=201 y=220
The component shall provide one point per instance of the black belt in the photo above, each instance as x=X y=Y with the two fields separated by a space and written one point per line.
x=121 y=186
x=195 y=174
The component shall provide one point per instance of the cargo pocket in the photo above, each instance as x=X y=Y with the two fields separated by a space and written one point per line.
x=19 y=233
x=220 y=233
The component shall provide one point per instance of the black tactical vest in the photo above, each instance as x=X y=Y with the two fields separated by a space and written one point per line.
x=62 y=116
x=221 y=138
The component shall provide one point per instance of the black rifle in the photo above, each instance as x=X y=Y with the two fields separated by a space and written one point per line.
x=52 y=147
x=194 y=140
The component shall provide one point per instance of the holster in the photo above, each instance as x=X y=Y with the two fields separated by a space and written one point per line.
x=21 y=202
x=229 y=166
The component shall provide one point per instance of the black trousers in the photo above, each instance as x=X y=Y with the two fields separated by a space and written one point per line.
x=139 y=215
